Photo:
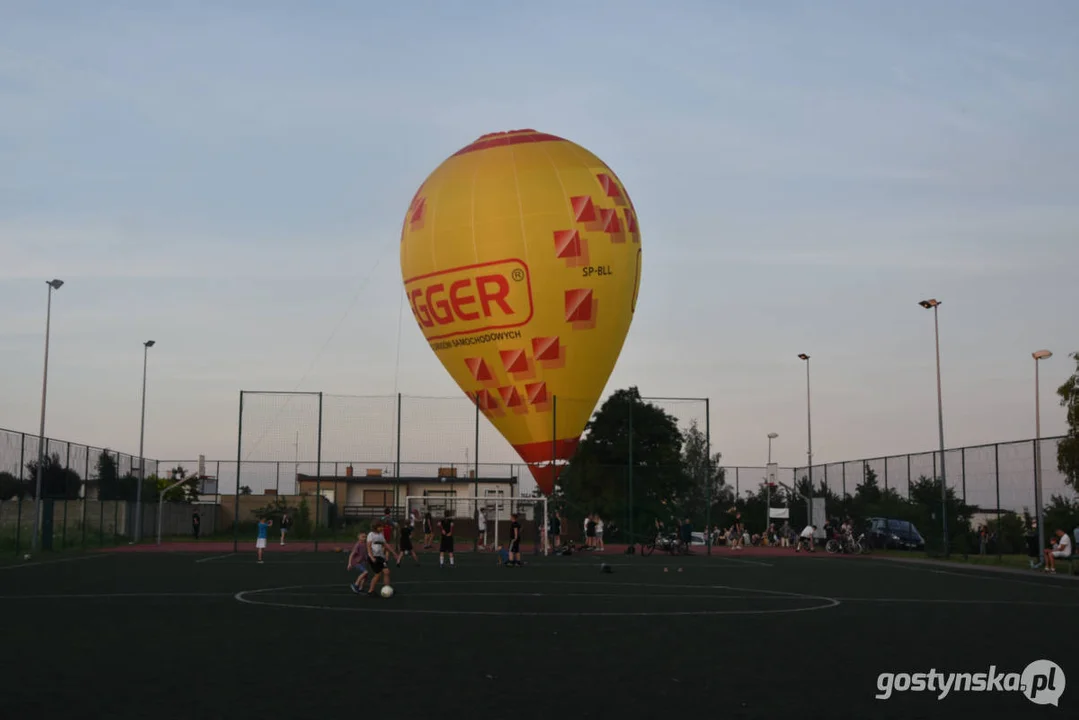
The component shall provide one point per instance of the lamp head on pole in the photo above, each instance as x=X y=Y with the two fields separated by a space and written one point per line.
x=54 y=283
x=929 y=304
x=773 y=436
x=1042 y=354
x=149 y=343
x=803 y=356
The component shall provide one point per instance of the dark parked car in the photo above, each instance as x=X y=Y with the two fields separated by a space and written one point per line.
x=894 y=534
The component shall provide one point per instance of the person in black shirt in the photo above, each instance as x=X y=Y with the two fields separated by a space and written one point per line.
x=515 y=541
x=428 y=530
x=685 y=533
x=286 y=525
x=445 y=545
x=196 y=523
x=405 y=533
x=556 y=529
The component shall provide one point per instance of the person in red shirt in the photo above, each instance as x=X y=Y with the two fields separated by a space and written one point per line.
x=387 y=532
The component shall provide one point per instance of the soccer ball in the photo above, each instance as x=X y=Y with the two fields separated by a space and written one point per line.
x=26 y=556
x=387 y=591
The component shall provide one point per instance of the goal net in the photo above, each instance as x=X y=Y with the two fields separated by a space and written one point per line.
x=497 y=510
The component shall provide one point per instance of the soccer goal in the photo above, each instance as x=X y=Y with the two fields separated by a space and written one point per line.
x=497 y=509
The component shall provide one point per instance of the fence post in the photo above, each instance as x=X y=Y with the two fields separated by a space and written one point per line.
x=100 y=509
x=844 y=473
x=629 y=470
x=18 y=527
x=397 y=455
x=708 y=478
x=85 y=495
x=1039 y=512
x=737 y=489
x=963 y=471
x=476 y=477
x=908 y=476
x=239 y=463
x=18 y=513
x=996 y=474
x=826 y=488
x=554 y=445
x=318 y=472
x=885 y=474
x=63 y=531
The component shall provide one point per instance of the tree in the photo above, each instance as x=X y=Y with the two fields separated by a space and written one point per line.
x=870 y=501
x=57 y=481
x=1068 y=448
x=11 y=486
x=924 y=511
x=706 y=476
x=108 y=477
x=245 y=490
x=1061 y=513
x=601 y=475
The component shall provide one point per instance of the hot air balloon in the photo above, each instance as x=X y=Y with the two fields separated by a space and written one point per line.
x=521 y=260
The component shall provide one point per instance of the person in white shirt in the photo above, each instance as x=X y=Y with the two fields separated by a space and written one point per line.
x=481 y=528
x=806 y=539
x=376 y=552
x=1062 y=548
x=599 y=533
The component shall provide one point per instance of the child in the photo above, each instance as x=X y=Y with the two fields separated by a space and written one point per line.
x=445 y=544
x=503 y=555
x=406 y=545
x=515 y=541
x=264 y=528
x=357 y=560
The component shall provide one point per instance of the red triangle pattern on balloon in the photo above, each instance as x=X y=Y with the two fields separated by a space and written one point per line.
x=570 y=245
x=479 y=369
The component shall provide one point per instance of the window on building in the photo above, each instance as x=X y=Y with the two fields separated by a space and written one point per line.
x=377 y=498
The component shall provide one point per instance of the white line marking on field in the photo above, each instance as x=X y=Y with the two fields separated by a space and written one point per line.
x=973 y=576
x=112 y=596
x=964 y=601
x=365 y=605
x=214 y=557
x=52 y=562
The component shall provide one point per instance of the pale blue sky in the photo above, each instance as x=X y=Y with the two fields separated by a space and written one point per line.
x=229 y=180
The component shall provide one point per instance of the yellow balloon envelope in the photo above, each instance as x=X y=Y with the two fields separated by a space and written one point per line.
x=521 y=259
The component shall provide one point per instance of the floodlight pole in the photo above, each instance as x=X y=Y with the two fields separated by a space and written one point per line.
x=53 y=285
x=1038 y=500
x=933 y=304
x=142 y=437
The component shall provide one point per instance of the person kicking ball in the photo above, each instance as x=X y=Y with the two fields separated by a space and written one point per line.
x=376 y=551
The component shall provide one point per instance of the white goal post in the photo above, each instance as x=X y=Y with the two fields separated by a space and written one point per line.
x=498 y=507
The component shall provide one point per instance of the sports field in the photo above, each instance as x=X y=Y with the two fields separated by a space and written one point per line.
x=757 y=635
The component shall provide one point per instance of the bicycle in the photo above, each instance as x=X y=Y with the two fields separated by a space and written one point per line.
x=648 y=545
